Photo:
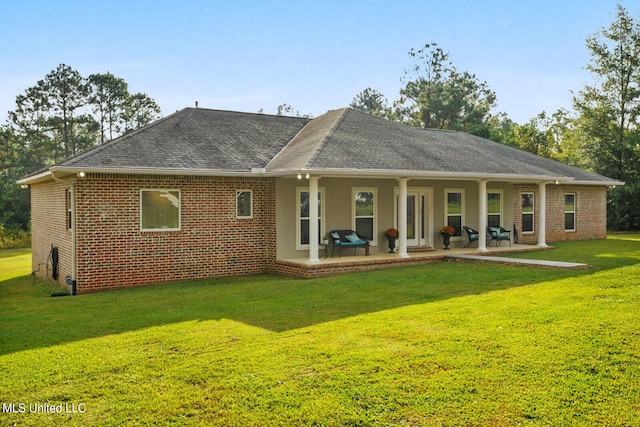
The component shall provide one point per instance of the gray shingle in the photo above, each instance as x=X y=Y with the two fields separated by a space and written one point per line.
x=348 y=140
x=197 y=139
x=343 y=140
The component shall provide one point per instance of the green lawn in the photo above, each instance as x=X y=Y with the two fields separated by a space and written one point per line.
x=443 y=344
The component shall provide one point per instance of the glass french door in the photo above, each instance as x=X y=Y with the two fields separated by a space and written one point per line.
x=417 y=218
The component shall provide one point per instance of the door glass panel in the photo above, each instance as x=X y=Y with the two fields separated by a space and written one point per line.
x=411 y=217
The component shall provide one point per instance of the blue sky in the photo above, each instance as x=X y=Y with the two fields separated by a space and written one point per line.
x=316 y=56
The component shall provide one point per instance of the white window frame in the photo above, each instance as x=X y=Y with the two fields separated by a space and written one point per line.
x=575 y=206
x=179 y=209
x=299 y=218
x=250 y=216
x=532 y=213
x=69 y=196
x=448 y=191
x=373 y=239
x=500 y=214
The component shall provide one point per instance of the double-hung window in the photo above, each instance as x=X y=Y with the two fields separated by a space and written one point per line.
x=69 y=210
x=454 y=209
x=160 y=210
x=364 y=212
x=494 y=208
x=244 y=204
x=570 y=212
x=527 y=212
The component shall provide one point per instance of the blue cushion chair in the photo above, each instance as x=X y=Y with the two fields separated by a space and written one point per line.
x=499 y=234
x=473 y=235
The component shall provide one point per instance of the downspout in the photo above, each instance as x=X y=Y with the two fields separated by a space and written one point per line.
x=73 y=282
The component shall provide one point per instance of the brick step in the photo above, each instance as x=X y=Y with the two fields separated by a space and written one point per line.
x=420 y=249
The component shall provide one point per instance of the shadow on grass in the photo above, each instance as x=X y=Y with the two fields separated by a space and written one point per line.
x=31 y=319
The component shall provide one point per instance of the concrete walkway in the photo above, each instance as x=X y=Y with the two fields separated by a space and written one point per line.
x=542 y=263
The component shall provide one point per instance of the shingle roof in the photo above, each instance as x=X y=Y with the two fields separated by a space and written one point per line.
x=348 y=140
x=197 y=139
x=343 y=142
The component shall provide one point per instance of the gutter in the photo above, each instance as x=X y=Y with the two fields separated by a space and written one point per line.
x=58 y=172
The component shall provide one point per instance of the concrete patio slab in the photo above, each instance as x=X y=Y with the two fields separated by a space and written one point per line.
x=540 y=262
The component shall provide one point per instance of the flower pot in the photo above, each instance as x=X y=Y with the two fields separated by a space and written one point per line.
x=446 y=241
x=392 y=244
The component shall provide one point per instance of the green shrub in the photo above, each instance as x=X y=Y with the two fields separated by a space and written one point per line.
x=14 y=238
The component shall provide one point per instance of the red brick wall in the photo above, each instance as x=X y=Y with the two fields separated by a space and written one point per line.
x=49 y=225
x=114 y=253
x=590 y=214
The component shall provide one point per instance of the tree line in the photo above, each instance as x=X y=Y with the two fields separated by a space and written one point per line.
x=60 y=116
x=65 y=113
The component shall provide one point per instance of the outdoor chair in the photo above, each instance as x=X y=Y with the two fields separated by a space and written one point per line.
x=498 y=234
x=473 y=235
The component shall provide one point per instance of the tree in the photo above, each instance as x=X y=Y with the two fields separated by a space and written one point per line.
x=30 y=120
x=287 y=110
x=52 y=118
x=14 y=201
x=139 y=110
x=371 y=101
x=609 y=112
x=67 y=94
x=52 y=121
x=108 y=97
x=437 y=95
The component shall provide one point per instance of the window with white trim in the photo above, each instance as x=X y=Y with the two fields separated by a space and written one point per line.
x=527 y=212
x=364 y=212
x=69 y=210
x=302 y=214
x=494 y=208
x=244 y=204
x=159 y=210
x=454 y=209
x=570 y=212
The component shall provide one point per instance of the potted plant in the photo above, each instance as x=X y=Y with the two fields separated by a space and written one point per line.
x=446 y=232
x=391 y=234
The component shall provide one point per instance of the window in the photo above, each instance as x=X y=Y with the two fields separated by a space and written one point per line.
x=364 y=213
x=569 y=212
x=69 y=210
x=302 y=212
x=494 y=208
x=244 y=204
x=454 y=209
x=160 y=209
x=527 y=212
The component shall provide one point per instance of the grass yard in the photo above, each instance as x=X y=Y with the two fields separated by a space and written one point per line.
x=444 y=344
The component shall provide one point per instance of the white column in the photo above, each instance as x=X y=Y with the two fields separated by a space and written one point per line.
x=313 y=221
x=402 y=219
x=542 y=215
x=482 y=212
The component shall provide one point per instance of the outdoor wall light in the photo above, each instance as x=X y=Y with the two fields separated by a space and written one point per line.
x=299 y=176
x=80 y=174
x=24 y=186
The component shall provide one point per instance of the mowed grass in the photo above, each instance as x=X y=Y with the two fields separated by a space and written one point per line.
x=443 y=344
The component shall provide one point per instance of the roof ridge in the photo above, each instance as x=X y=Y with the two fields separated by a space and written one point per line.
x=330 y=132
x=245 y=113
x=300 y=138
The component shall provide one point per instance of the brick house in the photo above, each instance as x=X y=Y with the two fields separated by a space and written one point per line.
x=205 y=193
